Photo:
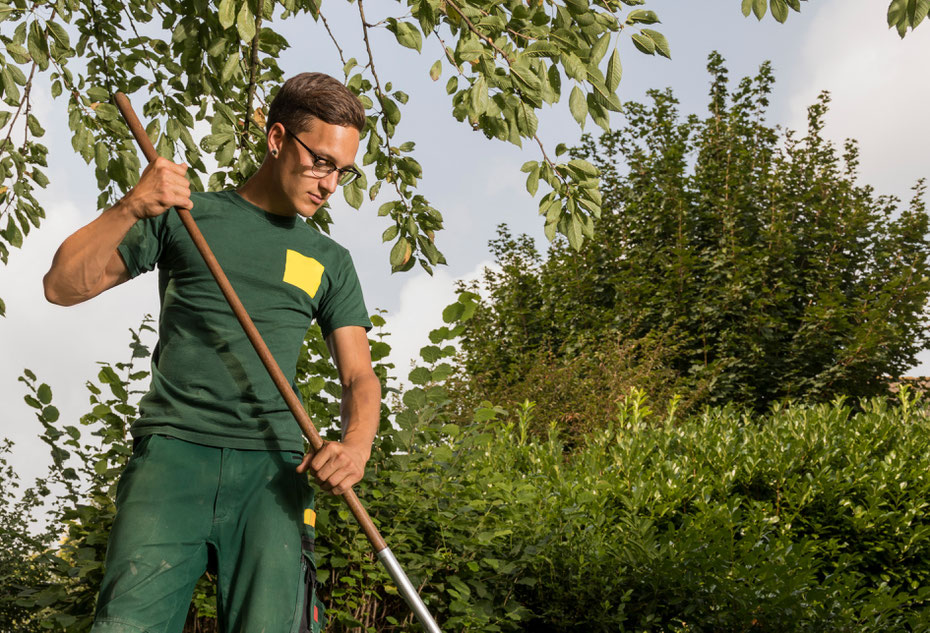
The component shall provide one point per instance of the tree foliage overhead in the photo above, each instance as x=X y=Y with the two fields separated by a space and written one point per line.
x=215 y=64
x=754 y=256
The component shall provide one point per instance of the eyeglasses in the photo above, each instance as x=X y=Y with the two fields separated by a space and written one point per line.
x=323 y=167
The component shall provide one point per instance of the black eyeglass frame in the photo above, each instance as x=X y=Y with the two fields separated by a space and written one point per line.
x=346 y=174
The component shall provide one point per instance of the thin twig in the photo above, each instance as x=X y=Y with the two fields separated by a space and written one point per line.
x=333 y=38
x=8 y=139
x=380 y=94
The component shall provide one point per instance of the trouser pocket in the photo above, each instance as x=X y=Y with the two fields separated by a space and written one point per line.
x=311 y=613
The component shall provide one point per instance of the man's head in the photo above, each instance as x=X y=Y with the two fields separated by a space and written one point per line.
x=313 y=124
x=314 y=96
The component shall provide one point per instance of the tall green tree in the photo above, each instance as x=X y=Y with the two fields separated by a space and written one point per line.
x=755 y=256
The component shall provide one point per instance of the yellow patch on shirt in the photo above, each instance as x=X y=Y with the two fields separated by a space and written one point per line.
x=304 y=272
x=310 y=517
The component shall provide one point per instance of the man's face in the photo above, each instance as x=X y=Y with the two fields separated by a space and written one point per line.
x=302 y=190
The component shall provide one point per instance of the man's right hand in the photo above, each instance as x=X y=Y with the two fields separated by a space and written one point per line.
x=163 y=185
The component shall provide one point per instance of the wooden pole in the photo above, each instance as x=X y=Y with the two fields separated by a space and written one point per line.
x=293 y=402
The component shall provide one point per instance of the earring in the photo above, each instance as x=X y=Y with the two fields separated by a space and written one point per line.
x=274 y=153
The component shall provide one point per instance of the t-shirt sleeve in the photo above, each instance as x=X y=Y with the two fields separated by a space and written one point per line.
x=143 y=245
x=343 y=303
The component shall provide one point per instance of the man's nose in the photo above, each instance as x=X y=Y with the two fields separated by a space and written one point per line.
x=330 y=182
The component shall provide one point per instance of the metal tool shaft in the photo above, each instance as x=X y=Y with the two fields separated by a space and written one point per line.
x=407 y=590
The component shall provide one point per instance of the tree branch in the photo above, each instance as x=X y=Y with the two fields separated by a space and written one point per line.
x=253 y=67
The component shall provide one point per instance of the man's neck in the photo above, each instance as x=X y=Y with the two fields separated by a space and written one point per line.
x=260 y=191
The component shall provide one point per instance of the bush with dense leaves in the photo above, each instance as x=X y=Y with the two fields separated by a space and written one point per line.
x=809 y=518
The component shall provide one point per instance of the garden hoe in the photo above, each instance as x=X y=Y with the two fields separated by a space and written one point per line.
x=404 y=586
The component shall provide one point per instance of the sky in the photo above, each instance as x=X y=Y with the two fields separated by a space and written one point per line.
x=842 y=46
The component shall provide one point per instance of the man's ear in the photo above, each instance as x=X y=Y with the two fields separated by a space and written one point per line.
x=275 y=138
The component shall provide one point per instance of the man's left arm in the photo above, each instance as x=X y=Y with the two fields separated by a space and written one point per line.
x=340 y=465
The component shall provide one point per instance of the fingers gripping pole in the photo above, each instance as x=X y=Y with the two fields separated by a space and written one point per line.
x=300 y=415
x=407 y=590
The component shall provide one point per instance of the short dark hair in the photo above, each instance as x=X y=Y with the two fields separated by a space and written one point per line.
x=309 y=96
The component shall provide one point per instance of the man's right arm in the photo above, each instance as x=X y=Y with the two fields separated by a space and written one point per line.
x=87 y=262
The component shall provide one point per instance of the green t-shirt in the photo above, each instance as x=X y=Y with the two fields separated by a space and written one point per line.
x=208 y=384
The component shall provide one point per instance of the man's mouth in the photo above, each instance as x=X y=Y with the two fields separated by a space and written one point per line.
x=315 y=199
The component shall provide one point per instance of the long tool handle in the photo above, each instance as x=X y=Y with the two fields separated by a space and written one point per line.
x=303 y=420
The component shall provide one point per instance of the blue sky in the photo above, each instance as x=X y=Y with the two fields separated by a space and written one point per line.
x=837 y=45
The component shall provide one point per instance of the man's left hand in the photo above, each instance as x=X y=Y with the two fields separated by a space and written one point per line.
x=336 y=467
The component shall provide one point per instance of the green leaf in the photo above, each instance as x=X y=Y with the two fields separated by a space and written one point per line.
x=227 y=13
x=575 y=236
x=12 y=234
x=642 y=16
x=532 y=181
x=44 y=393
x=747 y=7
x=660 y=41
x=353 y=195
x=644 y=44
x=453 y=312
x=391 y=111
x=407 y=35
x=759 y=7
x=614 y=71
x=574 y=67
x=419 y=376
x=479 y=96
x=230 y=66
x=600 y=49
x=390 y=233
x=34 y=127
x=436 y=70
x=245 y=23
x=19 y=54
x=37 y=45
x=400 y=253
x=779 y=10
x=578 y=106
x=584 y=167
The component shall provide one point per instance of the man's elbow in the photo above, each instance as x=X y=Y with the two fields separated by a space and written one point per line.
x=365 y=380
x=53 y=292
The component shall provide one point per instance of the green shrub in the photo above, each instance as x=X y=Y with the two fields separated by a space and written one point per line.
x=809 y=518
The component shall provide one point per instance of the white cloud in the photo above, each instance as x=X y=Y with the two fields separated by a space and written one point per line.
x=61 y=345
x=422 y=299
x=877 y=84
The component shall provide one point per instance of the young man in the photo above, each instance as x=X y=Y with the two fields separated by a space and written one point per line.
x=217 y=471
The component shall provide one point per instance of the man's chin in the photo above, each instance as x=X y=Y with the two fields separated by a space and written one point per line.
x=307 y=212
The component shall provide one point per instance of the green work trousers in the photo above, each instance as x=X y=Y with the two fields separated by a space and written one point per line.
x=180 y=505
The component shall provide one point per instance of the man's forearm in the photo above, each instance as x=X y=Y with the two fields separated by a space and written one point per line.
x=361 y=412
